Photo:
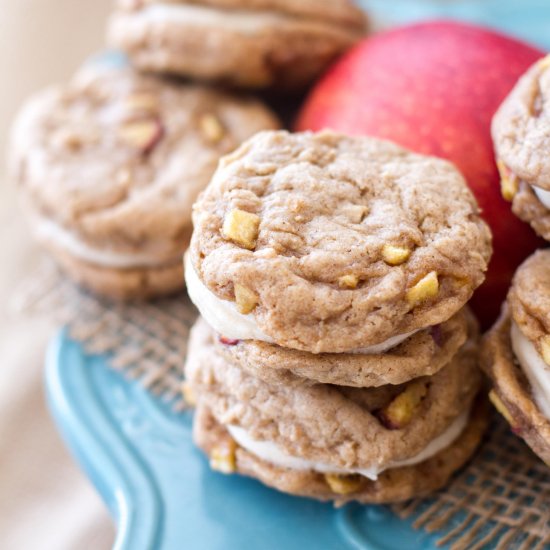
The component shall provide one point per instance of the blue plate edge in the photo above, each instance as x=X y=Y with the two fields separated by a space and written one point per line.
x=137 y=525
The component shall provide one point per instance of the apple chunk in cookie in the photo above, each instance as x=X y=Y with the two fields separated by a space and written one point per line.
x=109 y=166
x=342 y=243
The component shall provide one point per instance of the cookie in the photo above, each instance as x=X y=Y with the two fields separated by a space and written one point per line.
x=394 y=485
x=248 y=43
x=521 y=134
x=516 y=355
x=423 y=354
x=348 y=427
x=331 y=430
x=109 y=165
x=328 y=243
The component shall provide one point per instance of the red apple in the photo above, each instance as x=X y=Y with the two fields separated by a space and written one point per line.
x=434 y=87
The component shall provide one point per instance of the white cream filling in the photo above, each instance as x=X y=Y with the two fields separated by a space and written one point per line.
x=221 y=315
x=543 y=195
x=534 y=367
x=272 y=453
x=225 y=319
x=48 y=231
x=246 y=21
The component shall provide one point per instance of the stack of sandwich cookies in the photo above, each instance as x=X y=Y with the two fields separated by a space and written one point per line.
x=520 y=132
x=109 y=166
x=516 y=355
x=322 y=266
x=252 y=44
x=335 y=442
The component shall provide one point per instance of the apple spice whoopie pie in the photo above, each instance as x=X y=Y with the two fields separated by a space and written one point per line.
x=521 y=133
x=109 y=166
x=327 y=243
x=248 y=43
x=331 y=442
x=516 y=355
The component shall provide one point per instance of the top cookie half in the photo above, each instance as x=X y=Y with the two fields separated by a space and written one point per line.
x=328 y=243
x=247 y=43
x=521 y=134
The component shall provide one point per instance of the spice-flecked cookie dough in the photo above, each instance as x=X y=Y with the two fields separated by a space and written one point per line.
x=109 y=166
x=248 y=43
x=343 y=435
x=521 y=133
x=327 y=243
x=423 y=354
x=516 y=355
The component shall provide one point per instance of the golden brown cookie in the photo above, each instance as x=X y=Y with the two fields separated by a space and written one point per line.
x=423 y=354
x=327 y=243
x=521 y=133
x=249 y=43
x=393 y=485
x=109 y=166
x=332 y=428
x=516 y=355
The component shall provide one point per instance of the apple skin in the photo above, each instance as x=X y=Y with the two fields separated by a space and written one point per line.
x=433 y=88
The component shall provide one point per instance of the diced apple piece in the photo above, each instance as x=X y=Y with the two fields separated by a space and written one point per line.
x=242 y=228
x=423 y=290
x=344 y=484
x=245 y=299
x=223 y=458
x=348 y=281
x=402 y=409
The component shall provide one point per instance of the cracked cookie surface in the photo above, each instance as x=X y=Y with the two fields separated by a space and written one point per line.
x=330 y=217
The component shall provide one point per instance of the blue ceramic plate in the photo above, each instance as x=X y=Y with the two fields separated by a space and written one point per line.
x=160 y=490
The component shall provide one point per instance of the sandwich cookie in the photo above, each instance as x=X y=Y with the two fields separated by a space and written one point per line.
x=109 y=166
x=516 y=355
x=327 y=243
x=248 y=43
x=422 y=354
x=521 y=134
x=334 y=443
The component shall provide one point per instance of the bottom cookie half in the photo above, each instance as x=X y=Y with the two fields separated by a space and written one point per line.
x=392 y=485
